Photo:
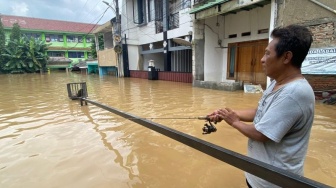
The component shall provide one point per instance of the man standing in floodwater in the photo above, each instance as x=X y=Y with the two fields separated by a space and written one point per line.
x=282 y=122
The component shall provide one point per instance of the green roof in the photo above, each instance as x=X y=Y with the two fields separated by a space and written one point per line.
x=207 y=5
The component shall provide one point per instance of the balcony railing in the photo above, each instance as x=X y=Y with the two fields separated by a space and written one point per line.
x=174 y=21
x=158 y=26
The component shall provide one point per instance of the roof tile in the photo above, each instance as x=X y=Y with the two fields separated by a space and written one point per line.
x=47 y=25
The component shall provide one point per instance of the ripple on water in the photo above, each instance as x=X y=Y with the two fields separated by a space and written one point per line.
x=52 y=141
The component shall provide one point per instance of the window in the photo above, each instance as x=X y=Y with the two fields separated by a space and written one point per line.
x=185 y=4
x=47 y=38
x=139 y=11
x=54 y=38
x=158 y=16
x=232 y=52
x=60 y=38
x=174 y=20
x=151 y=10
x=55 y=54
x=89 y=39
x=33 y=35
x=72 y=38
x=76 y=54
x=158 y=10
x=80 y=39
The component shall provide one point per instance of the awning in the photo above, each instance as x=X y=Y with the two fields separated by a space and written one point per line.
x=182 y=42
x=223 y=7
x=105 y=28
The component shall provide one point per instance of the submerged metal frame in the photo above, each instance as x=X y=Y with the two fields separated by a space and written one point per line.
x=263 y=170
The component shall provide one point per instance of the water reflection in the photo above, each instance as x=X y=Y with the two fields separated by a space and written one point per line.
x=54 y=142
x=112 y=137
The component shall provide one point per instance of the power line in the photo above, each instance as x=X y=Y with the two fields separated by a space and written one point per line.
x=128 y=20
x=91 y=28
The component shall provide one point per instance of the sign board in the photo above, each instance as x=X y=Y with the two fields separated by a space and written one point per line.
x=320 y=61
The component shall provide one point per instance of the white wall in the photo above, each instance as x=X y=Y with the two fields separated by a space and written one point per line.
x=213 y=55
x=158 y=60
x=185 y=25
x=144 y=34
x=215 y=65
x=133 y=58
x=138 y=35
x=140 y=62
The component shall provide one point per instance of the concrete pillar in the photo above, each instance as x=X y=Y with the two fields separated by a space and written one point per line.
x=198 y=50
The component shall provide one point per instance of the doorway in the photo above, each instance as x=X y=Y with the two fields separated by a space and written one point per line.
x=244 y=62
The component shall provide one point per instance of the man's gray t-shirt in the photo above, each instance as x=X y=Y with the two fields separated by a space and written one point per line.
x=285 y=116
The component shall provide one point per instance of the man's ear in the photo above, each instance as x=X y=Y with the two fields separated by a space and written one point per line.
x=288 y=57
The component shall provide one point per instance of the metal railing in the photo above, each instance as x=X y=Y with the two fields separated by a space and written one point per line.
x=158 y=26
x=174 y=21
x=263 y=170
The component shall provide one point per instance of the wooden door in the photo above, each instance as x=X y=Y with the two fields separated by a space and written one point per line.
x=244 y=62
x=259 y=74
x=249 y=67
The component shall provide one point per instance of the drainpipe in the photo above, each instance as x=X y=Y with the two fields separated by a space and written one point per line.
x=324 y=6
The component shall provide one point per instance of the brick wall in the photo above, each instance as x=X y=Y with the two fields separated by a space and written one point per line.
x=322 y=82
x=324 y=34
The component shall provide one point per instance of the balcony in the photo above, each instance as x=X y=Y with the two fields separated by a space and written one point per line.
x=174 y=21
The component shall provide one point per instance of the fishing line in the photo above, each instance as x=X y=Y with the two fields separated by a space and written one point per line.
x=149 y=118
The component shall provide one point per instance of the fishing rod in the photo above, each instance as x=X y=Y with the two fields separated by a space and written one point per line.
x=263 y=170
x=199 y=118
x=207 y=128
x=79 y=91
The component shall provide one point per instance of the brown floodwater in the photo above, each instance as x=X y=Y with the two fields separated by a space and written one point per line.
x=48 y=140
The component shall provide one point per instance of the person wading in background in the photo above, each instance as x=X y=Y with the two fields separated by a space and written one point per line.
x=282 y=122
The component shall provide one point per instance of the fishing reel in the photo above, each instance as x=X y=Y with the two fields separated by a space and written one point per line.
x=209 y=128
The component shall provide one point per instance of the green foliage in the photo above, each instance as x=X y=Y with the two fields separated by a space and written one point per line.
x=22 y=54
x=2 y=44
x=25 y=55
x=15 y=34
x=93 y=50
x=35 y=54
x=93 y=46
x=14 y=57
x=2 y=36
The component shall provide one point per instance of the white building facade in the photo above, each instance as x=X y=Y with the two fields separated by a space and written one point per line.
x=150 y=29
x=215 y=44
x=230 y=37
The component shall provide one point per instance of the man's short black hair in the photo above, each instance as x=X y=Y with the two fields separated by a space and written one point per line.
x=294 y=38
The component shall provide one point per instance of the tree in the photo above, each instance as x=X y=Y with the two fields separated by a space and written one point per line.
x=15 y=34
x=2 y=44
x=14 y=56
x=93 y=46
x=26 y=55
x=23 y=54
x=36 y=56
x=2 y=37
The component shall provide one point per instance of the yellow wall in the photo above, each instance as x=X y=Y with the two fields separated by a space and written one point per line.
x=107 y=58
